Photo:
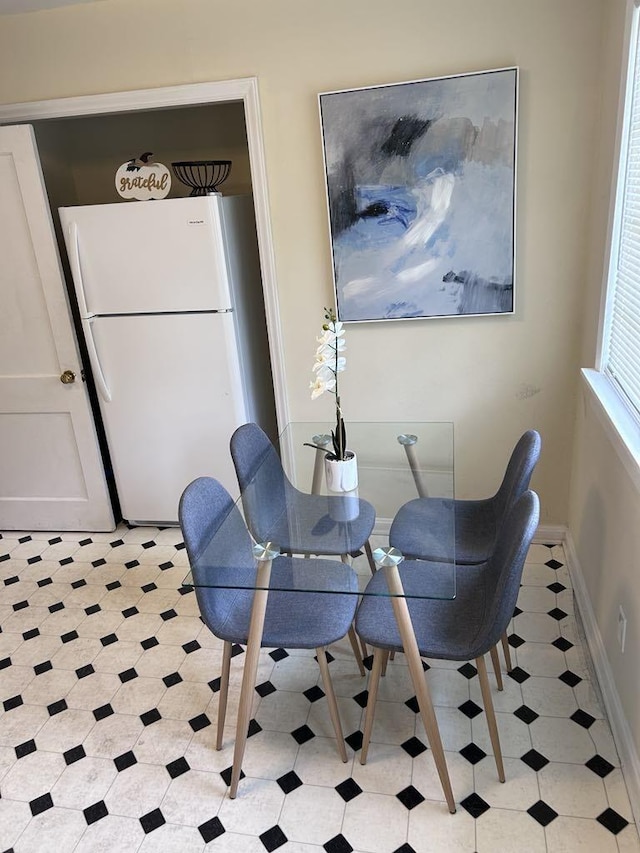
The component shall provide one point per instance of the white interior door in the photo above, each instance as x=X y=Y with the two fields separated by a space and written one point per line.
x=51 y=471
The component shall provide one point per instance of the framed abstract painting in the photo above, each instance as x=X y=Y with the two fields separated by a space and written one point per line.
x=421 y=193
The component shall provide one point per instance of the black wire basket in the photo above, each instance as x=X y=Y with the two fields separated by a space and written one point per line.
x=203 y=176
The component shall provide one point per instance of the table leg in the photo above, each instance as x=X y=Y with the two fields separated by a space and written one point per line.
x=250 y=670
x=408 y=442
x=412 y=654
x=322 y=444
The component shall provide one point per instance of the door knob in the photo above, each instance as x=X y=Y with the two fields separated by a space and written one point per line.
x=68 y=377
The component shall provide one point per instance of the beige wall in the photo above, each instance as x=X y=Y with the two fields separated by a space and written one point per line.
x=603 y=523
x=493 y=376
x=604 y=500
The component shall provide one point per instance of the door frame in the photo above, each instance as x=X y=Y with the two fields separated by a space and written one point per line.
x=194 y=94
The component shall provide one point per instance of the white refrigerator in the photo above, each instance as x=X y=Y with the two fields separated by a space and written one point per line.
x=170 y=302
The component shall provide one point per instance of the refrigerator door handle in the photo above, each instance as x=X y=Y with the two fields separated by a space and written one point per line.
x=76 y=269
x=98 y=374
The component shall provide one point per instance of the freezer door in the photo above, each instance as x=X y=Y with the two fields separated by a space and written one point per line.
x=176 y=397
x=147 y=256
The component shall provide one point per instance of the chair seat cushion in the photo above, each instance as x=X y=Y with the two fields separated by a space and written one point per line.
x=293 y=619
x=312 y=524
x=448 y=629
x=443 y=530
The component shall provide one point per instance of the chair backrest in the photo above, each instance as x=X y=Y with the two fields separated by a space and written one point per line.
x=261 y=479
x=502 y=574
x=517 y=476
x=250 y=449
x=218 y=546
x=204 y=505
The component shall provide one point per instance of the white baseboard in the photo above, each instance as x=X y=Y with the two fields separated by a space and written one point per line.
x=382 y=527
x=622 y=735
x=551 y=534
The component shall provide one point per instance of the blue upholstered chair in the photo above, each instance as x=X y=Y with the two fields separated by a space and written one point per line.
x=423 y=527
x=299 y=523
x=224 y=571
x=444 y=530
x=464 y=628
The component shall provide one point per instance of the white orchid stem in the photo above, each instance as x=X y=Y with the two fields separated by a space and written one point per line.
x=341 y=448
x=331 y=345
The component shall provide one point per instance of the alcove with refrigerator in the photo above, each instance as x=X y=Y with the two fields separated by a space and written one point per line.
x=184 y=391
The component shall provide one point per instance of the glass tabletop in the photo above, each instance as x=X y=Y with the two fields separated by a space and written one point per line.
x=287 y=513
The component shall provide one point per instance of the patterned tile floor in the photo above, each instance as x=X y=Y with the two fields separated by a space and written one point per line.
x=107 y=690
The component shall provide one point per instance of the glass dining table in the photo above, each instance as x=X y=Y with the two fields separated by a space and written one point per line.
x=285 y=500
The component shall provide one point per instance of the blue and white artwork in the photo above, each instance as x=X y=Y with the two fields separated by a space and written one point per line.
x=421 y=189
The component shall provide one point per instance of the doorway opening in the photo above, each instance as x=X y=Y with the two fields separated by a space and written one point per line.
x=82 y=141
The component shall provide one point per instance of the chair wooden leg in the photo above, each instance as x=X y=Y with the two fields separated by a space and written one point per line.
x=369 y=553
x=363 y=648
x=374 y=681
x=346 y=559
x=384 y=663
x=495 y=660
x=491 y=716
x=251 y=658
x=353 y=639
x=224 y=691
x=412 y=654
x=506 y=651
x=331 y=699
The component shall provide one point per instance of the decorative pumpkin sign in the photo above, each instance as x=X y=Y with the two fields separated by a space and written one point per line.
x=142 y=179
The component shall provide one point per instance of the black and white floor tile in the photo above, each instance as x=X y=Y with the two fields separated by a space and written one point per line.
x=108 y=683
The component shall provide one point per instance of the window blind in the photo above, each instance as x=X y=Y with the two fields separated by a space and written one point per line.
x=621 y=352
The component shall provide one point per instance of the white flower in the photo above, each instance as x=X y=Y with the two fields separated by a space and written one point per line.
x=324 y=372
x=327 y=365
x=319 y=386
x=326 y=338
x=324 y=355
x=331 y=337
x=330 y=360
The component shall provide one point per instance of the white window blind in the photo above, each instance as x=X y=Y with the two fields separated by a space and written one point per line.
x=621 y=350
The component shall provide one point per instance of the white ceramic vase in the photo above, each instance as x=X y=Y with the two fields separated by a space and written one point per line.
x=341 y=475
x=342 y=485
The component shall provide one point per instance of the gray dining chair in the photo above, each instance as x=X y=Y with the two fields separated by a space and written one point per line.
x=465 y=531
x=223 y=568
x=299 y=522
x=459 y=629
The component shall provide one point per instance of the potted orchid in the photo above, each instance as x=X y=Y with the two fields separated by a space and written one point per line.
x=340 y=465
